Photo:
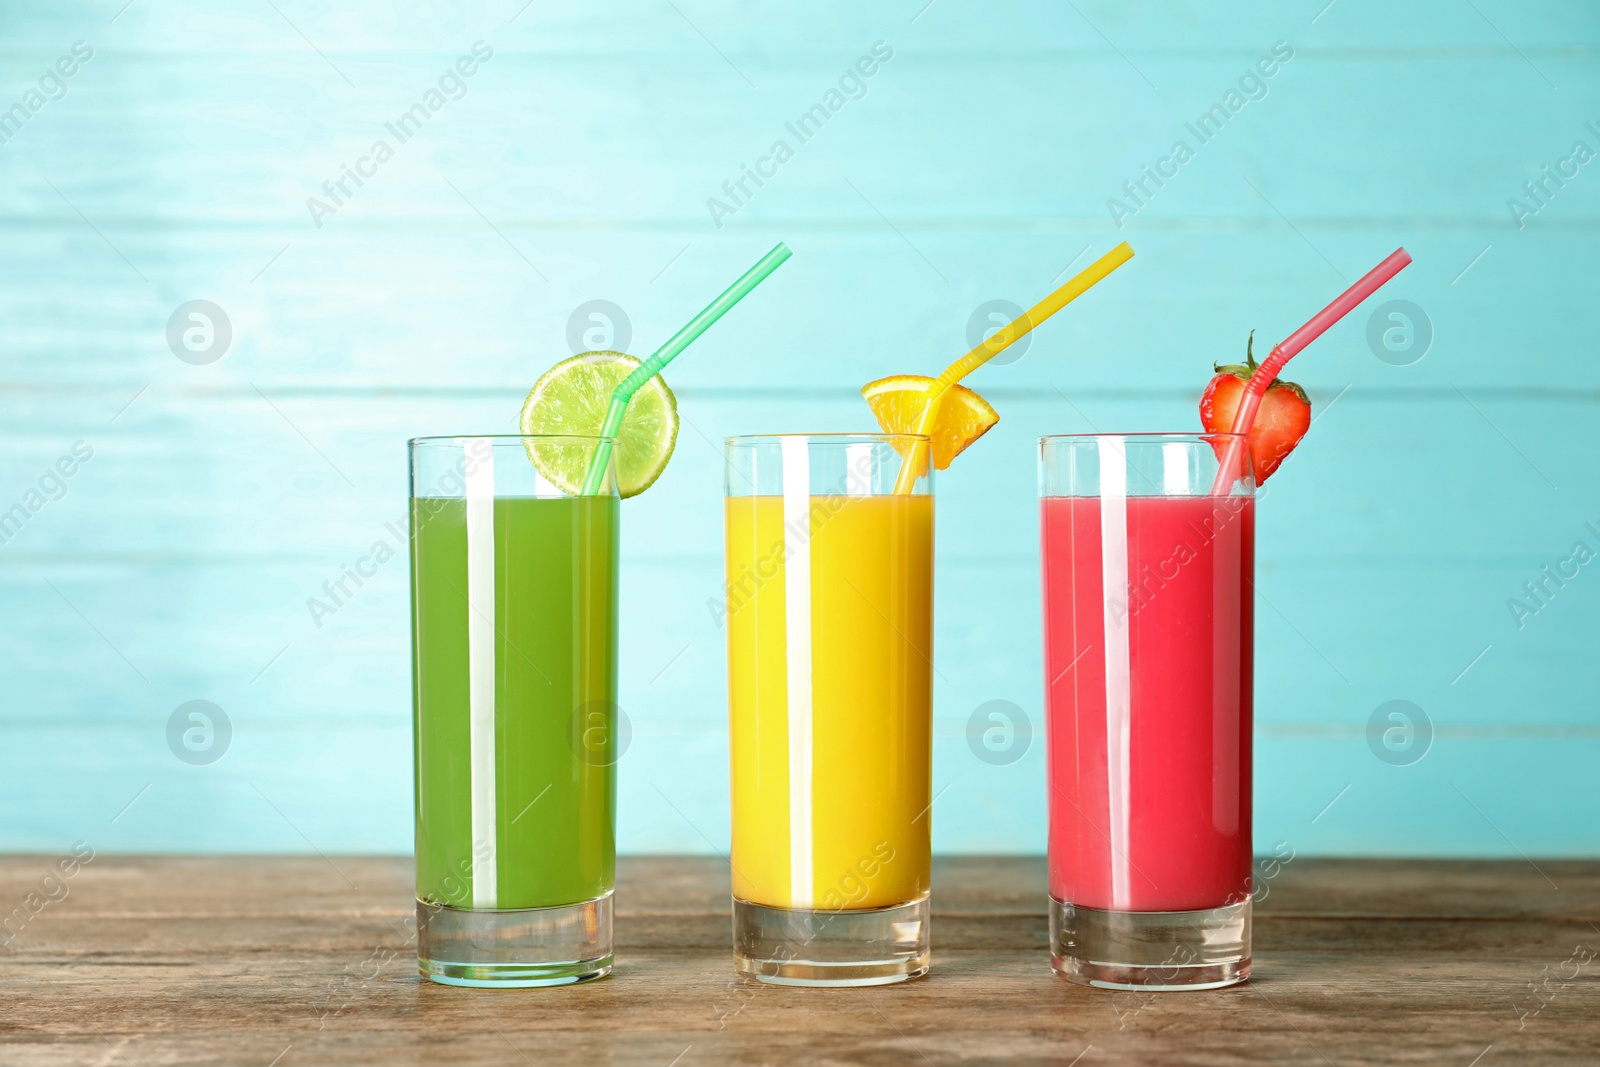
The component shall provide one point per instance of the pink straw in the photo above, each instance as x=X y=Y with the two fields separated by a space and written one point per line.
x=1290 y=347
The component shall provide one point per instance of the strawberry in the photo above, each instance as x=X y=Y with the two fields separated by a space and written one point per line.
x=1283 y=418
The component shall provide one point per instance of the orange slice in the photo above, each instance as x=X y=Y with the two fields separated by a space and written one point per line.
x=898 y=401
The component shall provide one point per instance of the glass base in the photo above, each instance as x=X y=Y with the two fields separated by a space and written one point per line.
x=505 y=949
x=1205 y=949
x=799 y=946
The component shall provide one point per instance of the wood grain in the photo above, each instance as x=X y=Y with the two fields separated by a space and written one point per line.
x=237 y=960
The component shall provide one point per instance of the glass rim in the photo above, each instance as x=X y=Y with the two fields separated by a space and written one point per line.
x=454 y=439
x=1146 y=435
x=829 y=438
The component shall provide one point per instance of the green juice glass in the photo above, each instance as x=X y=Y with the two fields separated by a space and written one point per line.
x=514 y=652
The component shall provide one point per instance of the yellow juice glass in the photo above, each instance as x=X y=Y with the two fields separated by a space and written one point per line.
x=830 y=643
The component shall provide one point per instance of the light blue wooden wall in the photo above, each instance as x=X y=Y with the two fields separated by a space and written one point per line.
x=978 y=165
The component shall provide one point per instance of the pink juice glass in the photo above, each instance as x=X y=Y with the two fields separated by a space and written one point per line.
x=1147 y=648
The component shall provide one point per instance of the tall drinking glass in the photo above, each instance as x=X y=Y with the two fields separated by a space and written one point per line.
x=1147 y=646
x=514 y=640
x=830 y=639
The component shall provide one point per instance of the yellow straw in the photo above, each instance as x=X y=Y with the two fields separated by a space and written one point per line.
x=1074 y=288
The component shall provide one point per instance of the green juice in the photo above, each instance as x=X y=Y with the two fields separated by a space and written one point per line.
x=535 y=673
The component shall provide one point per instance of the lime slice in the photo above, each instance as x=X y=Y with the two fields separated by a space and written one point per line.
x=572 y=398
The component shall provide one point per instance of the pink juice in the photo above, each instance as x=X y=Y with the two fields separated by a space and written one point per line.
x=1149 y=732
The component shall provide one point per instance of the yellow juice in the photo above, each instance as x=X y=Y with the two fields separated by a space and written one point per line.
x=830 y=645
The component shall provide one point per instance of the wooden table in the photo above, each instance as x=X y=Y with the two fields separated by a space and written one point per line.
x=303 y=960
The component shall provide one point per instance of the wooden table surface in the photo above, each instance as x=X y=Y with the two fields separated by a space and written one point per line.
x=307 y=960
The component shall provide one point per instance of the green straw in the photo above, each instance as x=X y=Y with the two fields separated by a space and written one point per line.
x=623 y=393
